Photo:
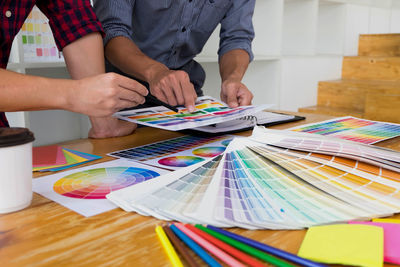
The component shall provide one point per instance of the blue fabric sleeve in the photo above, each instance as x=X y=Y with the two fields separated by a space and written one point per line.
x=237 y=30
x=116 y=17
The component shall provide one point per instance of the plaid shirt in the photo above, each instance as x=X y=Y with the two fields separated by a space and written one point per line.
x=68 y=19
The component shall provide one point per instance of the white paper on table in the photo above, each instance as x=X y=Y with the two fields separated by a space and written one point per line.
x=86 y=207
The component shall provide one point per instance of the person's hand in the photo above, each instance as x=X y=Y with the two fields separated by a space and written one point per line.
x=174 y=88
x=105 y=127
x=105 y=94
x=235 y=93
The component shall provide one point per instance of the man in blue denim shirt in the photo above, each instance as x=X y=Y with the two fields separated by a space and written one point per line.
x=156 y=40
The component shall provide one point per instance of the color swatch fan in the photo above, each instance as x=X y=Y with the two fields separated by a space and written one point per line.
x=275 y=180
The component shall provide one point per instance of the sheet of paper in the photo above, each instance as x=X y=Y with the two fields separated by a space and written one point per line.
x=384 y=220
x=353 y=129
x=208 y=111
x=177 y=153
x=47 y=155
x=391 y=240
x=84 y=190
x=349 y=244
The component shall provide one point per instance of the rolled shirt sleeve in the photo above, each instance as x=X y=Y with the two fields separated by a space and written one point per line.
x=116 y=17
x=237 y=30
x=70 y=19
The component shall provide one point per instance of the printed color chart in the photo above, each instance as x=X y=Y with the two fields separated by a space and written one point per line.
x=208 y=111
x=176 y=152
x=353 y=129
x=37 y=39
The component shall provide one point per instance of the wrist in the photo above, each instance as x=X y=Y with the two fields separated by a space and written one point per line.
x=68 y=93
x=154 y=70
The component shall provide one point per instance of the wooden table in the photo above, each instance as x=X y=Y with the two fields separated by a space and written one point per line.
x=47 y=233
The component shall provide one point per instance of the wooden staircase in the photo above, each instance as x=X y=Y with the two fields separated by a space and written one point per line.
x=370 y=85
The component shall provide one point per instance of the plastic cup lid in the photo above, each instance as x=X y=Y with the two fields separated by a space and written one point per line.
x=15 y=136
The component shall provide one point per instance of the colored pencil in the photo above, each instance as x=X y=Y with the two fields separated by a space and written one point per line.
x=173 y=257
x=180 y=247
x=196 y=248
x=271 y=250
x=245 y=248
x=210 y=247
x=231 y=250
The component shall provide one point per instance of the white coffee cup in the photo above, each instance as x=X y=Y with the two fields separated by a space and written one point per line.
x=15 y=169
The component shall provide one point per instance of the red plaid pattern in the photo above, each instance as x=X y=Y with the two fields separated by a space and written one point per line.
x=68 y=19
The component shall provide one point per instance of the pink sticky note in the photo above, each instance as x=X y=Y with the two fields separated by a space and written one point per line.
x=391 y=240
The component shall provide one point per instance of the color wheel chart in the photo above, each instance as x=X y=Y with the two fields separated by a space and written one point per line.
x=176 y=152
x=97 y=183
x=84 y=189
x=180 y=161
x=353 y=129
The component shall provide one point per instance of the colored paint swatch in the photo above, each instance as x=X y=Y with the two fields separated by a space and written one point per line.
x=360 y=245
x=208 y=152
x=187 y=191
x=353 y=129
x=180 y=161
x=97 y=183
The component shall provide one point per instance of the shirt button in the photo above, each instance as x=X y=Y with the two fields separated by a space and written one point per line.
x=8 y=13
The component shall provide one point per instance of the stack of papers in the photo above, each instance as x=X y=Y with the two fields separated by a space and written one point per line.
x=275 y=180
x=56 y=158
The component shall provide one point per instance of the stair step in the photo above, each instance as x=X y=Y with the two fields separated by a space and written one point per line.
x=371 y=68
x=385 y=45
x=383 y=105
x=341 y=94
x=351 y=94
x=331 y=111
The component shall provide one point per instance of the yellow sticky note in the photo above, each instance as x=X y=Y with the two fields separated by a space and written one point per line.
x=387 y=220
x=351 y=244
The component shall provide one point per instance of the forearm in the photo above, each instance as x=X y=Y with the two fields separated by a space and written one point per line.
x=85 y=56
x=20 y=92
x=233 y=65
x=124 y=54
